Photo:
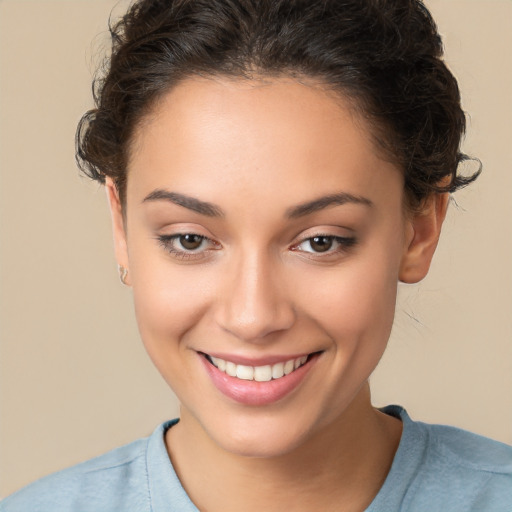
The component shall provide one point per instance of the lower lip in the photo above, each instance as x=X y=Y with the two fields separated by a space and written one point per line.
x=250 y=392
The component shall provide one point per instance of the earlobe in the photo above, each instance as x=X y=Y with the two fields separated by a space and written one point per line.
x=118 y=228
x=423 y=235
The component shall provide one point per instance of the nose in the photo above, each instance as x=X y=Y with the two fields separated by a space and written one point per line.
x=255 y=302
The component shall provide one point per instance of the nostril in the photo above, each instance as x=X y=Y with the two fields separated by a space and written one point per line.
x=254 y=302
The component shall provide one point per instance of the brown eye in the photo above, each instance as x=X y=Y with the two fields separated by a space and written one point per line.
x=188 y=246
x=323 y=247
x=191 y=242
x=321 y=243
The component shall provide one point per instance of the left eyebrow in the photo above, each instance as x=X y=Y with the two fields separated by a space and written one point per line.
x=191 y=203
x=324 y=202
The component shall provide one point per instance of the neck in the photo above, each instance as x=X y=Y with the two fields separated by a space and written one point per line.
x=343 y=465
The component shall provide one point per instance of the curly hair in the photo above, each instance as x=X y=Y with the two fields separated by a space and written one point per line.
x=385 y=55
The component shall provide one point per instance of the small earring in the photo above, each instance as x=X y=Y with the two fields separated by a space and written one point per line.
x=123 y=272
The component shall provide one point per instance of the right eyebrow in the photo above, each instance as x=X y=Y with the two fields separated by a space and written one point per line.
x=320 y=203
x=191 y=203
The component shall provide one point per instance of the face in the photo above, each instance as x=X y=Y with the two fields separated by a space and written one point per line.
x=264 y=237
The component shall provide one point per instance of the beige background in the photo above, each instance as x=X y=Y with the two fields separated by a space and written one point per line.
x=74 y=379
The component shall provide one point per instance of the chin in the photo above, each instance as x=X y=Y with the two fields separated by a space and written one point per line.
x=261 y=434
x=260 y=444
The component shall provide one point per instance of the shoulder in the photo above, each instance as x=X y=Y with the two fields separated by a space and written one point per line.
x=452 y=469
x=470 y=451
x=472 y=464
x=116 y=480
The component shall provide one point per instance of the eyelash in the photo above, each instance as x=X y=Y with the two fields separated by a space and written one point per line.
x=168 y=243
x=344 y=244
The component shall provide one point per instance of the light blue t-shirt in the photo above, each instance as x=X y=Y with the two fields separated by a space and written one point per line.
x=436 y=468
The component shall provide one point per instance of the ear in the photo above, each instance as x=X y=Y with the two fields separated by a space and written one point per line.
x=424 y=229
x=118 y=227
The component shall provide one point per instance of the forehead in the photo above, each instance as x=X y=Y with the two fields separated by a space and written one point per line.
x=226 y=134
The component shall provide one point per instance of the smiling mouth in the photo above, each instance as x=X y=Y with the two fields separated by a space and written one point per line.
x=263 y=373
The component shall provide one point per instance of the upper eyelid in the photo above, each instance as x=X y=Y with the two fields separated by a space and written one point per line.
x=334 y=230
x=302 y=239
x=340 y=239
x=323 y=233
x=175 y=236
x=167 y=238
x=183 y=232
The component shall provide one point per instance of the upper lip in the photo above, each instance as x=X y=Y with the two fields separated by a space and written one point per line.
x=256 y=361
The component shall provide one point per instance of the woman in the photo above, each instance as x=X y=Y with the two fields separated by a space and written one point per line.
x=274 y=169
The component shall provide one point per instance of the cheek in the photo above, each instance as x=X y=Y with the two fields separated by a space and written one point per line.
x=355 y=302
x=169 y=301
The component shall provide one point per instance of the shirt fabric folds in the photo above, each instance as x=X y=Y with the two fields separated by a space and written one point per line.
x=435 y=468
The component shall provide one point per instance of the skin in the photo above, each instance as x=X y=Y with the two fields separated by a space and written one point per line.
x=256 y=150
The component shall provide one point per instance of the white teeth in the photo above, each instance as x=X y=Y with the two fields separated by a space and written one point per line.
x=219 y=363
x=263 y=373
x=244 y=372
x=258 y=373
x=230 y=368
x=300 y=361
x=277 y=370
x=289 y=366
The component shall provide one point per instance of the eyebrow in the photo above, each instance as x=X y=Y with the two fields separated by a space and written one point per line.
x=191 y=203
x=338 y=199
x=301 y=210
